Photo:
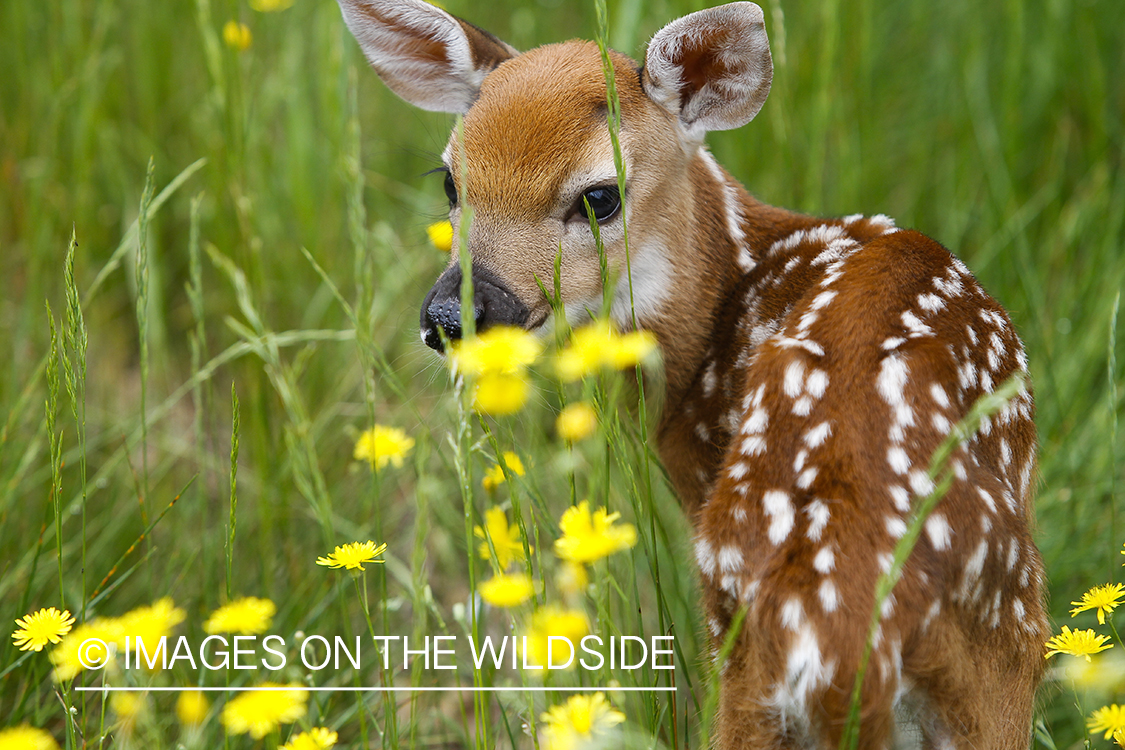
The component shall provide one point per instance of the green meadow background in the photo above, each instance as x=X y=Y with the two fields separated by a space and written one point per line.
x=995 y=127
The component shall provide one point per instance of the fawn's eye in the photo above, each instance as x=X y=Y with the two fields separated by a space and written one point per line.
x=604 y=202
x=450 y=189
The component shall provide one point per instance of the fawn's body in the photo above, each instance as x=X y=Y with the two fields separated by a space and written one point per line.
x=812 y=368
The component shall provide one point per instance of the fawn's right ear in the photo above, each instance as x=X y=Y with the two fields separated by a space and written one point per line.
x=428 y=57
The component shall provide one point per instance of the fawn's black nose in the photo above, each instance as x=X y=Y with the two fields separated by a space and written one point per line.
x=493 y=304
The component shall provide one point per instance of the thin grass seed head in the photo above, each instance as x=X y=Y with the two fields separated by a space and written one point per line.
x=1077 y=643
x=576 y=421
x=581 y=719
x=192 y=708
x=317 y=738
x=1108 y=719
x=36 y=630
x=591 y=536
x=26 y=737
x=246 y=616
x=353 y=556
x=1104 y=599
x=507 y=590
x=506 y=539
x=382 y=445
x=259 y=712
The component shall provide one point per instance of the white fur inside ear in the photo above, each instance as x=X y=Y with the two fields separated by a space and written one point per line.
x=420 y=51
x=711 y=69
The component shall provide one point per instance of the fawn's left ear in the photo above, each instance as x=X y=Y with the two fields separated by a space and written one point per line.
x=711 y=69
x=428 y=57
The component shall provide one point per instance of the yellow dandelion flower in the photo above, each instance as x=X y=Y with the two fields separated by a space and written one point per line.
x=572 y=579
x=494 y=477
x=576 y=421
x=38 y=629
x=1077 y=643
x=191 y=708
x=1108 y=719
x=1119 y=737
x=551 y=621
x=441 y=235
x=353 y=556
x=270 y=6
x=127 y=707
x=588 y=537
x=500 y=349
x=580 y=719
x=1102 y=598
x=150 y=623
x=237 y=36
x=500 y=394
x=259 y=712
x=507 y=590
x=66 y=656
x=246 y=616
x=506 y=540
x=1106 y=674
x=317 y=738
x=382 y=445
x=600 y=345
x=26 y=737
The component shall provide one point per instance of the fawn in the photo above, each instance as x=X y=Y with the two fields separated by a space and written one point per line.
x=812 y=367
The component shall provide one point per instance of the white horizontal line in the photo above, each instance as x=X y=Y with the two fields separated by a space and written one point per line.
x=367 y=689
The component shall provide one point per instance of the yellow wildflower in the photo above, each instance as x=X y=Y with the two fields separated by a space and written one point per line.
x=1077 y=643
x=191 y=708
x=1119 y=737
x=150 y=623
x=507 y=590
x=581 y=718
x=317 y=738
x=600 y=345
x=441 y=235
x=1102 y=598
x=500 y=394
x=1110 y=719
x=354 y=555
x=38 y=629
x=572 y=578
x=494 y=477
x=237 y=36
x=506 y=540
x=127 y=707
x=270 y=6
x=66 y=656
x=588 y=537
x=553 y=621
x=26 y=737
x=259 y=712
x=246 y=616
x=500 y=349
x=382 y=445
x=576 y=421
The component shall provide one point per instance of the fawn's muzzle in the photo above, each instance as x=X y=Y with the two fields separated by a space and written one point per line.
x=493 y=304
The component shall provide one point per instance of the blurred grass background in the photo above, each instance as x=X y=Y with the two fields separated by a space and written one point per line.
x=996 y=128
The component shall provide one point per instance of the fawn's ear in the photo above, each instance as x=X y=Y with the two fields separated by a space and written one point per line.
x=428 y=57
x=711 y=69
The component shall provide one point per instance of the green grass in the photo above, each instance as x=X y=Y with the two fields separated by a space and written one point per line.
x=290 y=263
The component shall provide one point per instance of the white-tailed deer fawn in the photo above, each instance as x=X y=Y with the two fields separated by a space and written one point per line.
x=813 y=366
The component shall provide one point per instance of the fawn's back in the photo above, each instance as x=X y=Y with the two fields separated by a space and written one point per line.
x=812 y=367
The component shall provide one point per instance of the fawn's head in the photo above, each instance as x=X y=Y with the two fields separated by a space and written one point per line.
x=535 y=144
